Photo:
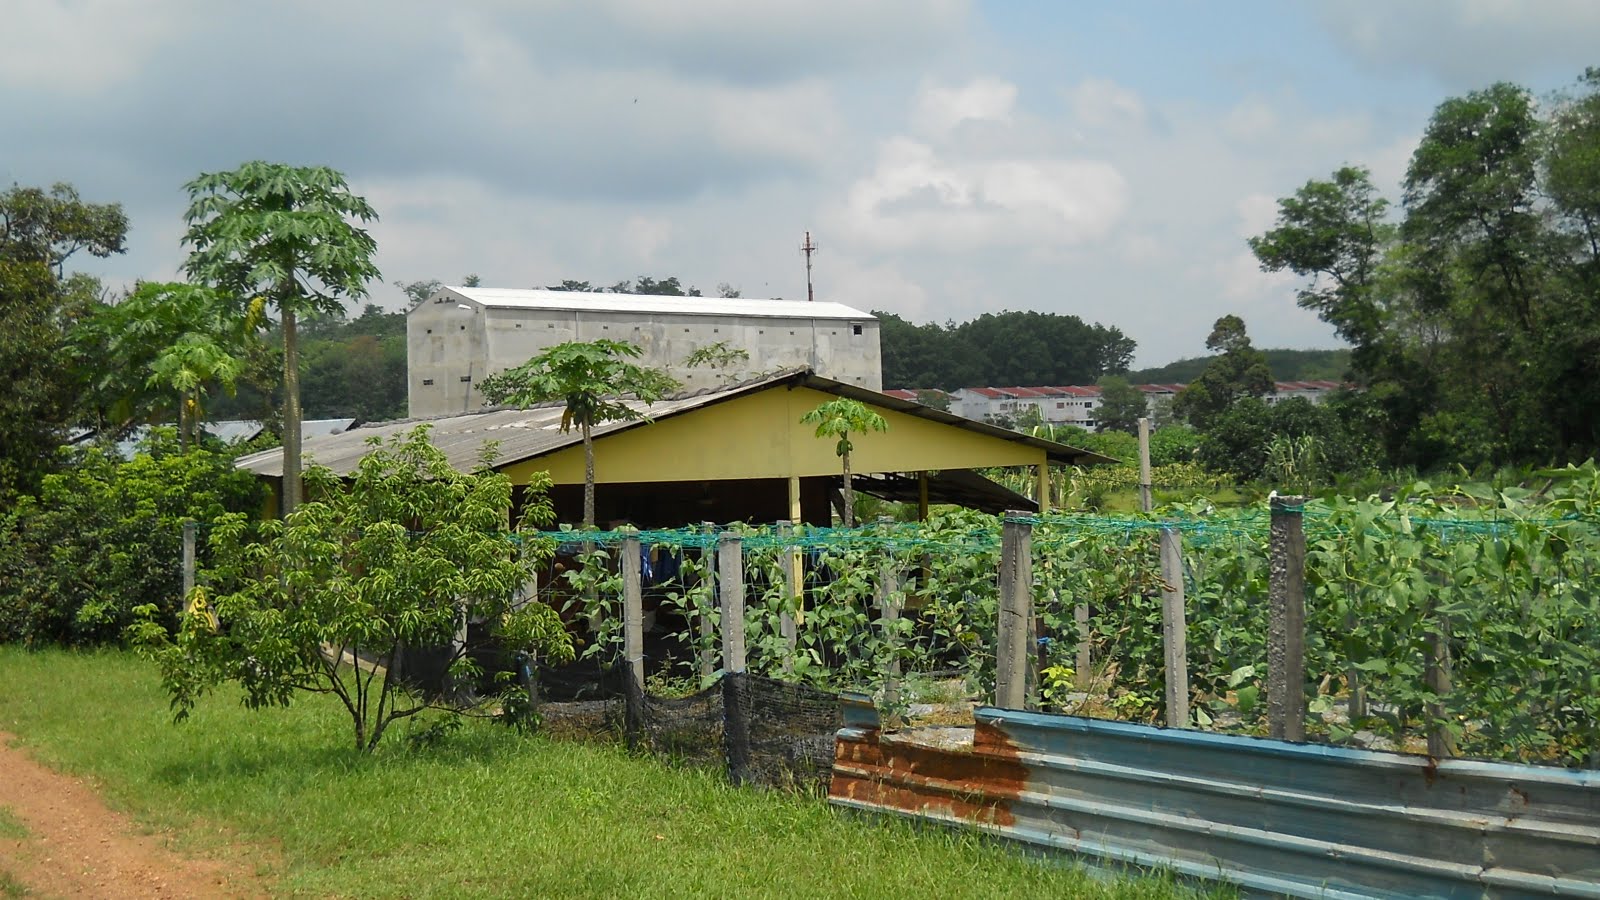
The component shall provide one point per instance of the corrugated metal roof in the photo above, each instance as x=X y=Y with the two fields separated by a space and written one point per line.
x=527 y=433
x=649 y=303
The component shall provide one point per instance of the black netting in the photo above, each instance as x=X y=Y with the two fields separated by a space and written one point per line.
x=760 y=730
x=788 y=732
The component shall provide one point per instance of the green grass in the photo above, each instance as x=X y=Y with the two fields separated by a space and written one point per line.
x=10 y=828
x=486 y=813
x=11 y=887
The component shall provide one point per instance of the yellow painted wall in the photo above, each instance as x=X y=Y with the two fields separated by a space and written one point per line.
x=760 y=436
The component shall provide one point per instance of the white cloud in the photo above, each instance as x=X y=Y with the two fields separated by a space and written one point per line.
x=1257 y=213
x=645 y=236
x=76 y=46
x=798 y=122
x=940 y=109
x=914 y=198
x=1467 y=44
x=1102 y=103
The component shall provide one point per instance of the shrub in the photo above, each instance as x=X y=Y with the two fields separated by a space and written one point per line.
x=104 y=536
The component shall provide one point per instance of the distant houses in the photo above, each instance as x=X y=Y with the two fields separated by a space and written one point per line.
x=1075 y=404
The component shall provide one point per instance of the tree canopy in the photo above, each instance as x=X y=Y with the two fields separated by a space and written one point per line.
x=1236 y=372
x=1008 y=348
x=839 y=418
x=47 y=382
x=288 y=235
x=1474 y=309
x=593 y=379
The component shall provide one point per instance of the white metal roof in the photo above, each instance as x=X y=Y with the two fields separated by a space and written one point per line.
x=649 y=303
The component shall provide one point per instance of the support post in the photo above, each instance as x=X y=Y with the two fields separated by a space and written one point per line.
x=1174 y=628
x=1016 y=614
x=633 y=636
x=1357 y=707
x=1146 y=496
x=788 y=629
x=1043 y=480
x=1441 y=744
x=735 y=715
x=189 y=531
x=708 y=652
x=730 y=590
x=1286 y=625
x=1085 y=661
x=922 y=496
x=888 y=621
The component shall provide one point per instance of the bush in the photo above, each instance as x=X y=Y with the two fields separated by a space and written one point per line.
x=104 y=536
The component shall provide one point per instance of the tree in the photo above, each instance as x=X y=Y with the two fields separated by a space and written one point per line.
x=285 y=234
x=104 y=536
x=329 y=599
x=839 y=418
x=1334 y=232
x=1121 y=405
x=171 y=338
x=418 y=292
x=1236 y=372
x=40 y=306
x=594 y=380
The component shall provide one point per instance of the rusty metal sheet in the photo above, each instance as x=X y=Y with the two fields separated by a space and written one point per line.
x=1302 y=820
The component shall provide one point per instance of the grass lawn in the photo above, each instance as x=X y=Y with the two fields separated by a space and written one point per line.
x=486 y=812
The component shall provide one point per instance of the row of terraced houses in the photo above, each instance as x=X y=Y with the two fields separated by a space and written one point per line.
x=1075 y=404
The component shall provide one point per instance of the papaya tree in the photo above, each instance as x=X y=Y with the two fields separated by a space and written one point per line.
x=594 y=379
x=839 y=418
x=289 y=235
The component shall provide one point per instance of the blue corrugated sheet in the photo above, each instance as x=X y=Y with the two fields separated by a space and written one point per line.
x=1302 y=820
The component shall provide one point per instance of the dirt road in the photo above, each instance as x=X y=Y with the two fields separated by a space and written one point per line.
x=75 y=847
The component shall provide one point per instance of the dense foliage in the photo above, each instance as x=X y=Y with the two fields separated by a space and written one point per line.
x=330 y=599
x=1285 y=365
x=104 y=536
x=46 y=378
x=1008 y=348
x=1504 y=579
x=1473 y=308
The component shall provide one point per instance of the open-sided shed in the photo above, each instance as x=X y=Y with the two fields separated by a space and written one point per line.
x=733 y=453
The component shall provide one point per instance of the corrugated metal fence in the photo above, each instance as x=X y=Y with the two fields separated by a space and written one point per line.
x=1270 y=816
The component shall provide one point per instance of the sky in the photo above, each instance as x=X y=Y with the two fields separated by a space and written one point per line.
x=949 y=158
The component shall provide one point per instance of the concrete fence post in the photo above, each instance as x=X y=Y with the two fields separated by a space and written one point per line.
x=788 y=629
x=1286 y=623
x=1174 y=628
x=189 y=532
x=730 y=590
x=1441 y=743
x=633 y=635
x=1016 y=612
x=888 y=622
x=708 y=653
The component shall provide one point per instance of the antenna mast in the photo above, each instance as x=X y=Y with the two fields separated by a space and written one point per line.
x=809 y=248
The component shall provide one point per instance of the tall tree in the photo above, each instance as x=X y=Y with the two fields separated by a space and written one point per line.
x=1336 y=233
x=40 y=303
x=1121 y=405
x=594 y=379
x=839 y=418
x=1236 y=372
x=287 y=234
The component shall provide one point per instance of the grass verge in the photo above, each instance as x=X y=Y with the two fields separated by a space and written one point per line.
x=485 y=813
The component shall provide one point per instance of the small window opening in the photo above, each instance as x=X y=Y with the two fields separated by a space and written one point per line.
x=427 y=381
x=855 y=329
x=466 y=378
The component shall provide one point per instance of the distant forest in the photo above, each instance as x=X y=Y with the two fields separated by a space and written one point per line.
x=1007 y=348
x=1286 y=365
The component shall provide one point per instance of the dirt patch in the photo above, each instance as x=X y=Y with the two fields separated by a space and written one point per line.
x=74 y=846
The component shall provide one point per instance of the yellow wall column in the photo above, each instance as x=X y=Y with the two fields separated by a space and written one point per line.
x=1044 y=485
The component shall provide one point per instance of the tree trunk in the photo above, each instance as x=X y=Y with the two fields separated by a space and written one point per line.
x=848 y=493
x=588 y=476
x=291 y=415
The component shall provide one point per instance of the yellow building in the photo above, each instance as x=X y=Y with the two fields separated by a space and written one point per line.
x=728 y=454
